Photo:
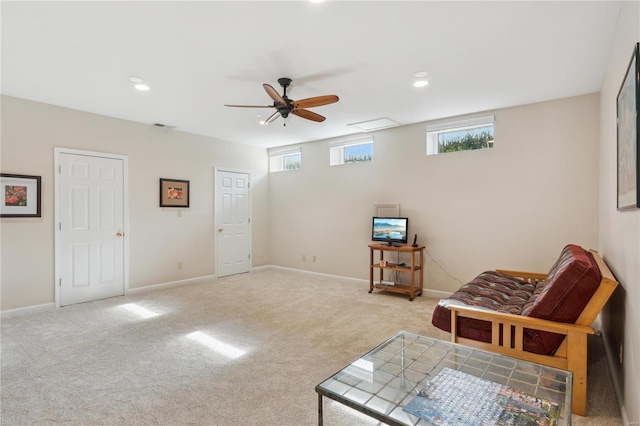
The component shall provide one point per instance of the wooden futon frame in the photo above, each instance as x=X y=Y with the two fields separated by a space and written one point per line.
x=572 y=353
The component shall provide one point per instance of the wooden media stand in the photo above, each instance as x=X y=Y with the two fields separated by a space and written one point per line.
x=414 y=266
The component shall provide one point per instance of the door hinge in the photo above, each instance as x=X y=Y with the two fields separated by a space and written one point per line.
x=249 y=255
x=59 y=226
x=59 y=170
x=249 y=220
x=60 y=282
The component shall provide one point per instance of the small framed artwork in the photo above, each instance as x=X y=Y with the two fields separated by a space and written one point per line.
x=174 y=193
x=628 y=125
x=20 y=195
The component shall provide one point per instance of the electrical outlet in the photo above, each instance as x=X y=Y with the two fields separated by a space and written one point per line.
x=304 y=257
x=179 y=265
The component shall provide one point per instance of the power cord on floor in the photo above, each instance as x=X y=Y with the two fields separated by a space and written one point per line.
x=398 y=276
x=441 y=268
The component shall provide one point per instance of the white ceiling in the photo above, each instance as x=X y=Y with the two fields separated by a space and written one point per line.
x=198 y=56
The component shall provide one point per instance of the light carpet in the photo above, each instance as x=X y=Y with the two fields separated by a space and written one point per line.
x=134 y=360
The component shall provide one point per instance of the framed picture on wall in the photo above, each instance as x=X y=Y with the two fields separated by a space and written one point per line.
x=174 y=193
x=20 y=195
x=627 y=128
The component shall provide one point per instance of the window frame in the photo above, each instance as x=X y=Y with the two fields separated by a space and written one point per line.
x=337 y=149
x=280 y=155
x=434 y=130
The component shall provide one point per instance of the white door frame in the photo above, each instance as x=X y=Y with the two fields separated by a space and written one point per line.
x=215 y=210
x=125 y=170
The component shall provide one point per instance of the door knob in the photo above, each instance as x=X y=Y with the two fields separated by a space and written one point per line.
x=220 y=229
x=119 y=234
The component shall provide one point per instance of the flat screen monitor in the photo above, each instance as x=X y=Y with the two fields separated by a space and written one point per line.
x=390 y=230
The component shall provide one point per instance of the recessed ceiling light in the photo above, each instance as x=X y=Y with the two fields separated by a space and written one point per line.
x=421 y=83
x=421 y=74
x=135 y=79
x=142 y=87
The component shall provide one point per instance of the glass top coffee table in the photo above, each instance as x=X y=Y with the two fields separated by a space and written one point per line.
x=416 y=380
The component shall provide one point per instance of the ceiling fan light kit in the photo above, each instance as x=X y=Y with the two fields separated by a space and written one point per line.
x=285 y=106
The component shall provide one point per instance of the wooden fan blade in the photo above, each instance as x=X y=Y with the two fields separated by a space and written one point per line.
x=273 y=94
x=315 y=101
x=272 y=117
x=250 y=106
x=308 y=115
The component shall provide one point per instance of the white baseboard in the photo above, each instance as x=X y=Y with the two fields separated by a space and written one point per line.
x=612 y=359
x=8 y=313
x=171 y=284
x=433 y=294
x=436 y=294
x=260 y=268
x=282 y=268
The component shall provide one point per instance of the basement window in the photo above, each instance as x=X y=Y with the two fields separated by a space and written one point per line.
x=351 y=151
x=284 y=159
x=462 y=135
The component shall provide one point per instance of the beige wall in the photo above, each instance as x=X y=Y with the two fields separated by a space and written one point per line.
x=158 y=237
x=620 y=231
x=512 y=206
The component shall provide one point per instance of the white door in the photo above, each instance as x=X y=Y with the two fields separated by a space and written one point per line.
x=90 y=227
x=233 y=223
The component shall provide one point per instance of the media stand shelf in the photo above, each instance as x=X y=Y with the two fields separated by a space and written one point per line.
x=412 y=290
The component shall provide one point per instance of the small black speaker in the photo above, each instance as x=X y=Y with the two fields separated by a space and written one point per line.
x=415 y=239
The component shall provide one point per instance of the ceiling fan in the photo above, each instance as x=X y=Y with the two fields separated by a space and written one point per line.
x=285 y=106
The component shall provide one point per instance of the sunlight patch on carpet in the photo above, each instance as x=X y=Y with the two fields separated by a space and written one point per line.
x=141 y=311
x=217 y=345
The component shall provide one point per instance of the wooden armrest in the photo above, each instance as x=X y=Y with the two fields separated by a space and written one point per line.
x=518 y=320
x=507 y=338
x=527 y=276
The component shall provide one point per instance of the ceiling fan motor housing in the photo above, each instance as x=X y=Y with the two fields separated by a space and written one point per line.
x=284 y=82
x=284 y=109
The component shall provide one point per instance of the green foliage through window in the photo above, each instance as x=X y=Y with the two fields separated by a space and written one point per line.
x=466 y=142
x=292 y=161
x=285 y=159
x=462 y=135
x=351 y=151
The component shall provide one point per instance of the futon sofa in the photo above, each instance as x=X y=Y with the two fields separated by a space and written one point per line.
x=538 y=317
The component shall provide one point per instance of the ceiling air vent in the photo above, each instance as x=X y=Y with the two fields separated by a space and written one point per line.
x=377 y=124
